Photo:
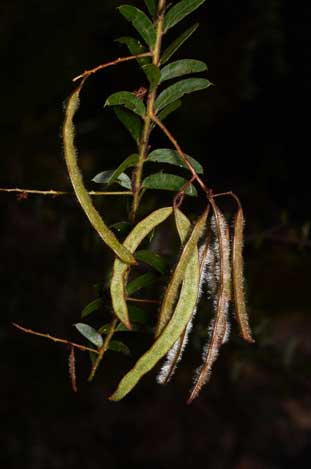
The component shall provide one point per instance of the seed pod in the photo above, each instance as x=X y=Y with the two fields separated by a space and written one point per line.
x=178 y=322
x=121 y=270
x=175 y=354
x=183 y=227
x=219 y=328
x=77 y=182
x=238 y=277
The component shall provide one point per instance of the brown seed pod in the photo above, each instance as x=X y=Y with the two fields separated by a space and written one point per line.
x=238 y=277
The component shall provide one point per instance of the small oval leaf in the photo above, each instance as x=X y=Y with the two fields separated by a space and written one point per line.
x=90 y=334
x=179 y=89
x=172 y=48
x=105 y=177
x=141 y=23
x=182 y=67
x=153 y=259
x=153 y=74
x=118 y=346
x=95 y=305
x=128 y=100
x=143 y=281
x=129 y=162
x=135 y=47
x=130 y=121
x=169 y=109
x=168 y=156
x=152 y=7
x=179 y=11
x=168 y=182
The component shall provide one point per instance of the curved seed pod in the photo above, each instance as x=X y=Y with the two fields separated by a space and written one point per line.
x=219 y=327
x=77 y=182
x=177 y=324
x=174 y=356
x=120 y=269
x=183 y=227
x=238 y=277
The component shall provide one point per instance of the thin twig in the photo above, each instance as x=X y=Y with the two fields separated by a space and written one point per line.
x=87 y=73
x=55 y=193
x=142 y=300
x=103 y=348
x=55 y=339
x=179 y=151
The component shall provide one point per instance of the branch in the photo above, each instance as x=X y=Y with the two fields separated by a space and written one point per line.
x=56 y=339
x=180 y=152
x=87 y=73
x=54 y=193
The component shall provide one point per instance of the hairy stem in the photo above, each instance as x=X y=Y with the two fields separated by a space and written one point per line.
x=143 y=147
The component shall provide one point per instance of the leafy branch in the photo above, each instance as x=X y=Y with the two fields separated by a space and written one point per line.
x=211 y=253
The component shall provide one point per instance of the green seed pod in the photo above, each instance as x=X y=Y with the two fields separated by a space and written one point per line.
x=238 y=278
x=178 y=322
x=121 y=270
x=77 y=182
x=183 y=227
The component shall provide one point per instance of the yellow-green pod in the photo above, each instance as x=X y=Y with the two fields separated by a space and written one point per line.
x=178 y=322
x=82 y=195
x=183 y=226
x=120 y=269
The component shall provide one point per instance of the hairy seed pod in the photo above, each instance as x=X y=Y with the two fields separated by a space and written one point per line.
x=219 y=327
x=238 y=277
x=175 y=354
x=82 y=195
x=121 y=270
x=183 y=227
x=178 y=322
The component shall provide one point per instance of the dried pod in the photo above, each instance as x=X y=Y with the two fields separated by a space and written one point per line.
x=219 y=327
x=121 y=270
x=238 y=277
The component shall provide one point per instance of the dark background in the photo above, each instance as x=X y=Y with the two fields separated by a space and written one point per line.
x=252 y=135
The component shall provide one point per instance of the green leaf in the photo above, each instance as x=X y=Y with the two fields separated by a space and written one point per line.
x=129 y=162
x=182 y=67
x=137 y=315
x=172 y=48
x=121 y=227
x=179 y=11
x=89 y=333
x=153 y=74
x=105 y=178
x=166 y=155
x=129 y=100
x=152 y=7
x=143 y=281
x=179 y=89
x=135 y=47
x=130 y=121
x=117 y=346
x=153 y=259
x=169 y=109
x=91 y=307
x=141 y=23
x=168 y=182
